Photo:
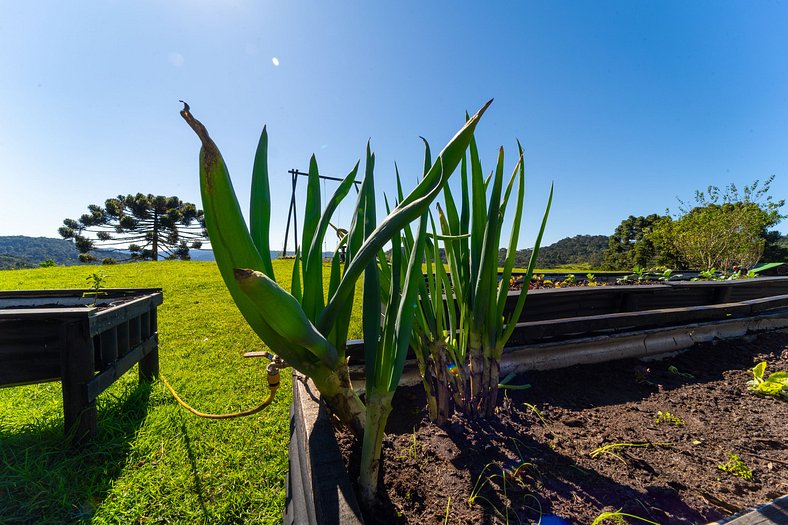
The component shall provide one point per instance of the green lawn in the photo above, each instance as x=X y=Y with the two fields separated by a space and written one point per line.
x=153 y=462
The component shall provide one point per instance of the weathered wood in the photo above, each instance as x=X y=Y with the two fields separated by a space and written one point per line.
x=79 y=414
x=537 y=330
x=773 y=513
x=123 y=338
x=149 y=364
x=73 y=342
x=104 y=380
x=108 y=347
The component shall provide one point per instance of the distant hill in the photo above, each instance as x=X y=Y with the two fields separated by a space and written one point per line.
x=35 y=250
x=19 y=251
x=580 y=249
x=10 y=262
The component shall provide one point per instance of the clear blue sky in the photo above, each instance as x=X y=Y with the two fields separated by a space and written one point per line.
x=625 y=105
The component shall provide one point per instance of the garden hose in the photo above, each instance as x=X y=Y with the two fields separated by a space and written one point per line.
x=273 y=384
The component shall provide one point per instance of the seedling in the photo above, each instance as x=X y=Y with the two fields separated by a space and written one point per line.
x=483 y=480
x=776 y=385
x=667 y=417
x=96 y=281
x=618 y=517
x=412 y=451
x=542 y=419
x=737 y=467
x=569 y=280
x=707 y=275
x=675 y=371
x=504 y=384
x=610 y=448
x=667 y=275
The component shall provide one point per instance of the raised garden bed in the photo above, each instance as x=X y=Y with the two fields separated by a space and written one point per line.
x=85 y=342
x=599 y=404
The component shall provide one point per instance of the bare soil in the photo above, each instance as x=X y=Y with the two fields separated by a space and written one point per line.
x=534 y=459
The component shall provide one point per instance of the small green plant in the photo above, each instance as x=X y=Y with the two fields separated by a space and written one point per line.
x=667 y=417
x=591 y=280
x=675 y=371
x=49 y=263
x=612 y=447
x=569 y=280
x=96 y=281
x=638 y=275
x=666 y=275
x=736 y=467
x=776 y=385
x=707 y=275
x=491 y=478
x=412 y=451
x=641 y=274
x=618 y=517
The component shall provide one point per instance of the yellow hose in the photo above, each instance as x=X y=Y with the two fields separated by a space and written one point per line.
x=273 y=385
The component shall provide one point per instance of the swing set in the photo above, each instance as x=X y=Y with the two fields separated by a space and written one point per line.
x=291 y=215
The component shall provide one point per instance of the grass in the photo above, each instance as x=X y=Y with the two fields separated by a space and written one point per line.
x=152 y=462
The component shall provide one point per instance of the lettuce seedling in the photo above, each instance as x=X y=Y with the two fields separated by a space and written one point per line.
x=776 y=385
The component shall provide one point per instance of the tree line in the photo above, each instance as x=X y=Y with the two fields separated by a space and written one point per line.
x=721 y=229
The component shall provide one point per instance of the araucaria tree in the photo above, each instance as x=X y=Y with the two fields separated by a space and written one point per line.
x=149 y=226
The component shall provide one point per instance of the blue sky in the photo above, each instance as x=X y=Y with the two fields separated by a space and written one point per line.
x=624 y=105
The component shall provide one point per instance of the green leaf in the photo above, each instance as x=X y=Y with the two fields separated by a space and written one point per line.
x=295 y=282
x=758 y=371
x=371 y=299
x=779 y=377
x=529 y=273
x=284 y=314
x=769 y=388
x=260 y=204
x=503 y=291
x=484 y=309
x=410 y=208
x=407 y=304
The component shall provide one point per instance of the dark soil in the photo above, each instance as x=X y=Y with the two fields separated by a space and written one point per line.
x=520 y=466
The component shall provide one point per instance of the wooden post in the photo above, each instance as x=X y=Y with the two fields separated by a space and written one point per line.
x=108 y=347
x=77 y=365
x=123 y=339
x=149 y=365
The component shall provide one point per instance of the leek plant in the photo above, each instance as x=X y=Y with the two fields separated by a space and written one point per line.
x=387 y=324
x=304 y=329
x=461 y=325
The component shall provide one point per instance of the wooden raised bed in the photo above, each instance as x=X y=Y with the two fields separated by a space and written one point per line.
x=607 y=315
x=559 y=327
x=86 y=343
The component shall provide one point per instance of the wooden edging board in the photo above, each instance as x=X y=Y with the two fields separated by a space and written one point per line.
x=319 y=488
x=319 y=491
x=772 y=513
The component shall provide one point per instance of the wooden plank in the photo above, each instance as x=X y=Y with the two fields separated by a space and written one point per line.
x=773 y=513
x=108 y=347
x=79 y=413
x=149 y=364
x=104 y=319
x=69 y=312
x=767 y=303
x=532 y=331
x=135 y=332
x=103 y=380
x=78 y=292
